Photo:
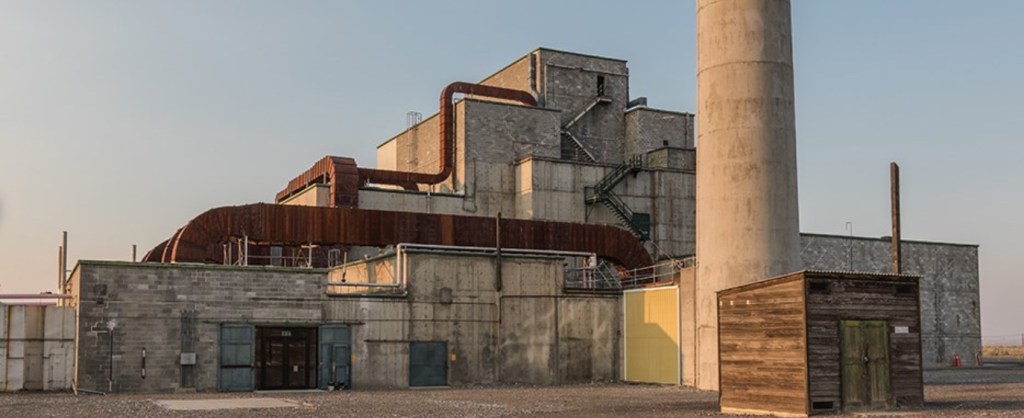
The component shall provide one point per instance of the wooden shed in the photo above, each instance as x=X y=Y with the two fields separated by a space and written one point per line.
x=820 y=342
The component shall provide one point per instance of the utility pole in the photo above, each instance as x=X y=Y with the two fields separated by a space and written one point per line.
x=894 y=186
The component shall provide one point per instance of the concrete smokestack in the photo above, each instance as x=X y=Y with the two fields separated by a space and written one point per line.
x=747 y=220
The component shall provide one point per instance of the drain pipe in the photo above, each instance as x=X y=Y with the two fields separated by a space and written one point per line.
x=497 y=246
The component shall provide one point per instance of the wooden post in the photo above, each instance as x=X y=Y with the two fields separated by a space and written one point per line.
x=894 y=184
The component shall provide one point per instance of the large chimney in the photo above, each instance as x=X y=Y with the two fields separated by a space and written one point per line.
x=747 y=220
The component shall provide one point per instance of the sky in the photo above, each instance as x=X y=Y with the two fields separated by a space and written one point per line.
x=122 y=120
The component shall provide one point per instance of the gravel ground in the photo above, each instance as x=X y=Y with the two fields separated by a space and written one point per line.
x=991 y=392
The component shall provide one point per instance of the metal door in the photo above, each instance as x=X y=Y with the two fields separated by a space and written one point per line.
x=428 y=365
x=865 y=367
x=335 y=348
x=236 y=358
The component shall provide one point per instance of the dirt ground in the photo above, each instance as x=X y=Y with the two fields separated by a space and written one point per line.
x=994 y=391
x=1003 y=351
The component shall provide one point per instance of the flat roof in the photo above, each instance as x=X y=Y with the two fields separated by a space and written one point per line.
x=887 y=239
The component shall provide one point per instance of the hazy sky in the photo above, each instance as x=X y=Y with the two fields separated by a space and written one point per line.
x=121 y=120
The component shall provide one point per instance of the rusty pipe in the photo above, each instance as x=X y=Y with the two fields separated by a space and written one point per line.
x=446 y=137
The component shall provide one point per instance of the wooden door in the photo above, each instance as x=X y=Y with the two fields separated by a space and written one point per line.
x=865 y=365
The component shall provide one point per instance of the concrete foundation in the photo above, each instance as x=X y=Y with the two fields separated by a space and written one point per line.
x=747 y=212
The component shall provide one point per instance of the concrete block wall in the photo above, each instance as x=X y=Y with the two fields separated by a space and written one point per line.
x=569 y=83
x=147 y=302
x=950 y=305
x=672 y=158
x=36 y=347
x=649 y=129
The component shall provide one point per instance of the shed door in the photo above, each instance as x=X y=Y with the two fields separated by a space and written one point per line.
x=427 y=364
x=335 y=358
x=236 y=358
x=865 y=370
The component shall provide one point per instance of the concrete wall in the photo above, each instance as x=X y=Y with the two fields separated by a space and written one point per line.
x=315 y=195
x=519 y=75
x=950 y=313
x=529 y=332
x=36 y=347
x=649 y=129
x=415 y=149
x=555 y=190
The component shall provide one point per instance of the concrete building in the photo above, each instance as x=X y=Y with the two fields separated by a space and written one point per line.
x=420 y=316
x=407 y=314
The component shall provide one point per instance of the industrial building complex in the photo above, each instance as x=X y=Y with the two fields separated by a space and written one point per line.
x=544 y=227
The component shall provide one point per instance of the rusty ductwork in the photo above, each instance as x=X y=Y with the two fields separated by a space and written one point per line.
x=340 y=173
x=446 y=139
x=345 y=178
x=203 y=238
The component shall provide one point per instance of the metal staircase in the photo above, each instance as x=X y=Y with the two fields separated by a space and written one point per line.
x=580 y=149
x=637 y=223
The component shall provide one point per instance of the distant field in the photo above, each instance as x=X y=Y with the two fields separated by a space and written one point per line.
x=1003 y=351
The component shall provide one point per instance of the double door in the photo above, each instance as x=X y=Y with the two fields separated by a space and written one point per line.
x=865 y=368
x=287 y=358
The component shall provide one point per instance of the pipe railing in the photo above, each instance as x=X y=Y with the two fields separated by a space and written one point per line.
x=400 y=279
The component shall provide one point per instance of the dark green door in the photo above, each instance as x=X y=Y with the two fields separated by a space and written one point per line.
x=428 y=365
x=335 y=357
x=865 y=368
x=236 y=358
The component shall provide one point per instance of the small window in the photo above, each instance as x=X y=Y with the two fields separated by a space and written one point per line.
x=818 y=287
x=600 y=86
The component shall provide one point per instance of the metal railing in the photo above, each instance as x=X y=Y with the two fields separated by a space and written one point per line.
x=602 y=276
x=396 y=282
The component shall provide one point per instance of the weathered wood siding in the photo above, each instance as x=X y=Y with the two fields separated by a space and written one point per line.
x=834 y=297
x=762 y=348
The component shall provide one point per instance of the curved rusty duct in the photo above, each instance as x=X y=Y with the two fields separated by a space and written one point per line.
x=201 y=240
x=340 y=173
x=157 y=253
